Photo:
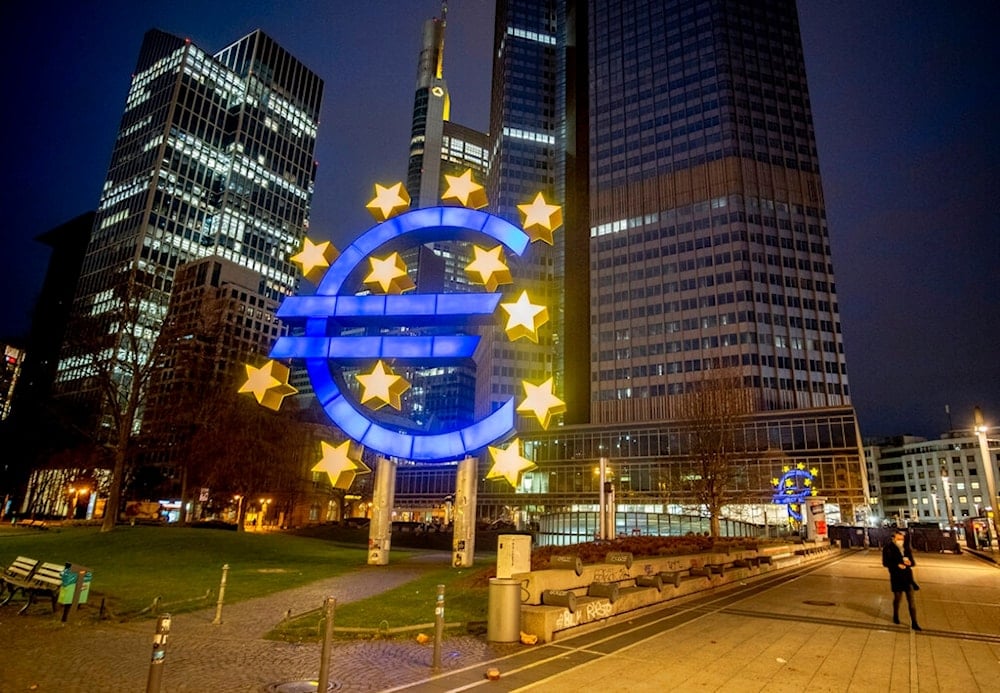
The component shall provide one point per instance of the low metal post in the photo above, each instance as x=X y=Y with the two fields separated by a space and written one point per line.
x=438 y=626
x=222 y=595
x=159 y=653
x=329 y=606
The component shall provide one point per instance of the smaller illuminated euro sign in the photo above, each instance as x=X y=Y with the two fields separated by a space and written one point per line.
x=335 y=308
x=792 y=488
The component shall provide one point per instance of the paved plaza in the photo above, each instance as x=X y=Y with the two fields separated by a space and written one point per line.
x=824 y=627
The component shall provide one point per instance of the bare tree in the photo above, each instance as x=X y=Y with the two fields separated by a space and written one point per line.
x=112 y=352
x=717 y=448
x=246 y=450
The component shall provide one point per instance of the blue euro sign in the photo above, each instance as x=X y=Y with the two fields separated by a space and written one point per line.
x=328 y=311
x=796 y=493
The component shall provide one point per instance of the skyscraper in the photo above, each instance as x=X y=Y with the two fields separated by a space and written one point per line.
x=707 y=246
x=441 y=398
x=214 y=155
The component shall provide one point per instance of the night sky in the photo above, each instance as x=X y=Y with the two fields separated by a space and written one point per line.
x=905 y=103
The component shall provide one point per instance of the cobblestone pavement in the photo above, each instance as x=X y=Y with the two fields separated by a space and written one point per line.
x=40 y=653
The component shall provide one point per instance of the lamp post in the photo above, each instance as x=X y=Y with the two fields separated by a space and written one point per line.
x=239 y=510
x=991 y=486
x=74 y=496
x=264 y=502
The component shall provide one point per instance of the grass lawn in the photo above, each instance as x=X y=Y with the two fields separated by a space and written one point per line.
x=134 y=565
x=398 y=611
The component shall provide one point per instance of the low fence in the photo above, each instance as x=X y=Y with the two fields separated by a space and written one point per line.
x=920 y=538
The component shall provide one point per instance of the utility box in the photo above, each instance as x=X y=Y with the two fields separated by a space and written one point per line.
x=513 y=554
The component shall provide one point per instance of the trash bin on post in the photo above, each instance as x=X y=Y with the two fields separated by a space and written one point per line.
x=72 y=589
x=503 y=611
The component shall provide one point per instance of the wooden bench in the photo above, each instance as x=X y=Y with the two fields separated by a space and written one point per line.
x=43 y=579
x=20 y=569
x=32 y=524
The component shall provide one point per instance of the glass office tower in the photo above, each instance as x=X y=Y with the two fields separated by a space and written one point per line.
x=214 y=156
x=710 y=247
x=705 y=242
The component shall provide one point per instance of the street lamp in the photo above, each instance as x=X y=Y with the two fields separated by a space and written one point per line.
x=264 y=502
x=991 y=486
x=239 y=508
x=73 y=492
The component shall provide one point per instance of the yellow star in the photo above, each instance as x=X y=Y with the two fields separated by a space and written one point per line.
x=269 y=384
x=774 y=481
x=339 y=465
x=382 y=385
x=491 y=266
x=814 y=471
x=540 y=400
x=465 y=190
x=540 y=219
x=786 y=468
x=814 y=492
x=524 y=318
x=315 y=258
x=789 y=482
x=389 y=274
x=509 y=464
x=388 y=202
x=800 y=466
x=807 y=482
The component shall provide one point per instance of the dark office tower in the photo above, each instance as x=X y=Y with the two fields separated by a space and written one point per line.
x=214 y=155
x=677 y=135
x=709 y=242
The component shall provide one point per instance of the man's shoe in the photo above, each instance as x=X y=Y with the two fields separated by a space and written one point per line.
x=916 y=627
x=895 y=619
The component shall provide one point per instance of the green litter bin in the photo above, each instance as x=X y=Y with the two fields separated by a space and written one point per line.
x=70 y=577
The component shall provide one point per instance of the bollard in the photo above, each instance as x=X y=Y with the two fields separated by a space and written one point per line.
x=329 y=606
x=159 y=653
x=222 y=595
x=608 y=590
x=438 y=626
x=624 y=557
x=560 y=598
x=571 y=562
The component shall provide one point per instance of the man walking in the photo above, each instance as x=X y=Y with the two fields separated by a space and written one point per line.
x=898 y=558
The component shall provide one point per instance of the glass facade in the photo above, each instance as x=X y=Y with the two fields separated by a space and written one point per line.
x=651 y=467
x=709 y=242
x=706 y=245
x=214 y=156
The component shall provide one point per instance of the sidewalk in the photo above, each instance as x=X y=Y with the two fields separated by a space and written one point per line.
x=826 y=627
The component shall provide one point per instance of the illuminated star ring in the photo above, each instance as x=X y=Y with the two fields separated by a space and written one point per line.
x=328 y=311
x=792 y=489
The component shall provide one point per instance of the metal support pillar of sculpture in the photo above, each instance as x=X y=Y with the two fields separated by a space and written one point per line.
x=383 y=497
x=464 y=538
